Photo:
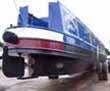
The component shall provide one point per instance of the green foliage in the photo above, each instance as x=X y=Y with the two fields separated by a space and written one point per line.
x=107 y=51
x=1 y=44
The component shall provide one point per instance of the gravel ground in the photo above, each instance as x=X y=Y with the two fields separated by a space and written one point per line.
x=87 y=82
x=83 y=83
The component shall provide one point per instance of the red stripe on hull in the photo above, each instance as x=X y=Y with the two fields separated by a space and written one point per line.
x=37 y=43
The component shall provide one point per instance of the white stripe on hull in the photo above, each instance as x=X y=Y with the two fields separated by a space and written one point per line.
x=37 y=33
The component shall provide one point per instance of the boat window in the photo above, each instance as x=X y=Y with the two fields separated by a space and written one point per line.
x=83 y=33
x=94 y=41
x=70 y=27
x=102 y=49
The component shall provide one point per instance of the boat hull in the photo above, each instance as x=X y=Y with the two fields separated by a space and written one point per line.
x=63 y=60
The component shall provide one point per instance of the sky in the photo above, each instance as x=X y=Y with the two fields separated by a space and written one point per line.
x=94 y=13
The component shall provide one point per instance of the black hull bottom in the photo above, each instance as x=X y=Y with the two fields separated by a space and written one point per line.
x=49 y=63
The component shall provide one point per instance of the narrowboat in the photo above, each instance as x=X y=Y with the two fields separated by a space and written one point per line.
x=60 y=44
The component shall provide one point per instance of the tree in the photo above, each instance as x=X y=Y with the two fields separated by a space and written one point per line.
x=1 y=44
x=107 y=51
